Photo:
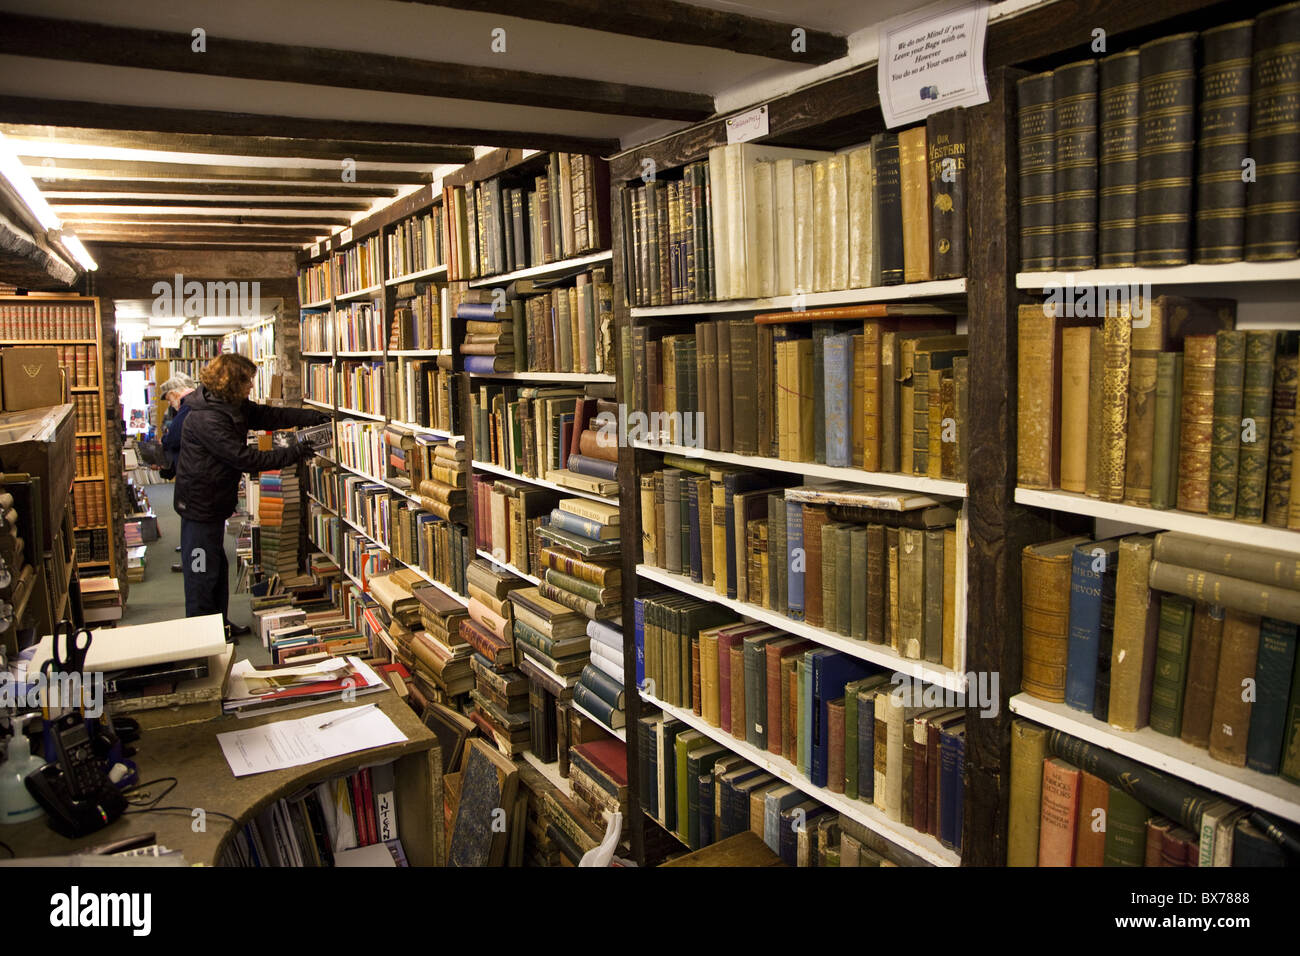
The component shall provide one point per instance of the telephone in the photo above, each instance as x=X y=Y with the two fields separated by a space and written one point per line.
x=74 y=790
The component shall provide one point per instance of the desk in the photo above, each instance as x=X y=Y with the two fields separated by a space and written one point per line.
x=192 y=754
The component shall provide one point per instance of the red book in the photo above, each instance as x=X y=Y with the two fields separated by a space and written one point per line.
x=608 y=755
x=1060 y=807
x=776 y=652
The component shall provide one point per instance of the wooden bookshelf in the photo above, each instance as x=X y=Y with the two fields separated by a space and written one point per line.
x=937 y=289
x=548 y=270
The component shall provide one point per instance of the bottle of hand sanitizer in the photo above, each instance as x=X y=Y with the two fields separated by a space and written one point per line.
x=17 y=805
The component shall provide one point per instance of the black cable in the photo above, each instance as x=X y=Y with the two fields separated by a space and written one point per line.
x=188 y=810
x=148 y=804
x=12 y=854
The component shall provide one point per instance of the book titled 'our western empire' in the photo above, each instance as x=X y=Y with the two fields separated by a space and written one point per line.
x=1166 y=158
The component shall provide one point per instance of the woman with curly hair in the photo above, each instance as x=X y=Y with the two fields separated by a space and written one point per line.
x=214 y=453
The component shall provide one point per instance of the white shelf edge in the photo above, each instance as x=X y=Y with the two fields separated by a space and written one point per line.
x=422 y=274
x=923 y=845
x=542 y=482
x=487 y=555
x=417 y=353
x=313 y=402
x=620 y=734
x=359 y=294
x=422 y=429
x=352 y=411
x=323 y=303
x=1268 y=792
x=546 y=269
x=575 y=377
x=359 y=354
x=812 y=300
x=917 y=483
x=1284 y=271
x=1222 y=529
x=874 y=653
x=316 y=354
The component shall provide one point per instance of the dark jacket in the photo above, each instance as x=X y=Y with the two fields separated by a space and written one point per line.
x=215 y=451
x=171 y=440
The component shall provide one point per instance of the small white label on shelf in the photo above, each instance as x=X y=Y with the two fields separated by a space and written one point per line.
x=345 y=236
x=747 y=126
x=931 y=62
x=315 y=249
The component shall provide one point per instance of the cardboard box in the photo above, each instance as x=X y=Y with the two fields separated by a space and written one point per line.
x=31 y=378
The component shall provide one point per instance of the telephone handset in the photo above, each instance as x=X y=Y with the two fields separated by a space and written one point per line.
x=75 y=791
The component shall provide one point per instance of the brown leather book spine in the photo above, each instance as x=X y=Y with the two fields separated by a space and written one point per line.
x=857 y=400
x=1045 y=624
x=1230 y=725
x=1096 y=374
x=1090 y=832
x=1282 y=437
x=1132 y=661
x=835 y=761
x=766 y=372
x=1056 y=830
x=706 y=340
x=723 y=335
x=1156 y=831
x=877 y=589
x=911 y=592
x=892 y=630
x=814 y=519
x=887 y=402
x=1038 y=409
x=1196 y=435
x=914 y=176
x=737 y=662
x=1202 y=674
x=1116 y=345
x=1225 y=447
x=1075 y=343
x=696 y=703
x=1256 y=414
x=949 y=658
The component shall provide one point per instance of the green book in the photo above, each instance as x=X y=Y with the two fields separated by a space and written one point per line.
x=686 y=743
x=851 y=731
x=1225 y=440
x=932 y=616
x=1173 y=643
x=1168 y=433
x=858 y=573
x=1126 y=830
x=1256 y=412
x=843 y=596
x=830 y=577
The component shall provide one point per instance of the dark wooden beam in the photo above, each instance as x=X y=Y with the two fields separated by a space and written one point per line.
x=337 y=205
x=129 y=168
x=200 y=218
x=22 y=137
x=35 y=110
x=82 y=42
x=64 y=186
x=26 y=263
x=255 y=246
x=294 y=237
x=671 y=22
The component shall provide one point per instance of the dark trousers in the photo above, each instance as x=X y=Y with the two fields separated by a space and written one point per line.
x=206 y=570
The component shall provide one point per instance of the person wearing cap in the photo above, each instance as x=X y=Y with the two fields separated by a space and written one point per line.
x=214 y=454
x=174 y=391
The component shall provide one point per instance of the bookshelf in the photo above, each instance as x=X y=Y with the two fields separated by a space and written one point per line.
x=259 y=344
x=936 y=289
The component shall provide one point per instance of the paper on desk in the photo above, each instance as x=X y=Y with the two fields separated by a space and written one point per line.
x=292 y=743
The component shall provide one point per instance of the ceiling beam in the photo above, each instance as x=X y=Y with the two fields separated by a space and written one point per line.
x=24 y=140
x=83 y=42
x=187 y=246
x=112 y=201
x=671 y=22
x=200 y=218
x=131 y=168
x=65 y=186
x=124 y=233
x=39 y=111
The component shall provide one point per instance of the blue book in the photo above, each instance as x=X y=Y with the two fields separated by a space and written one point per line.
x=639 y=623
x=794 y=560
x=734 y=483
x=867 y=747
x=593 y=467
x=647 y=733
x=1086 y=584
x=693 y=505
x=699 y=762
x=486 y=364
x=830 y=672
x=731 y=809
x=584 y=527
x=775 y=802
x=951 y=748
x=839 y=399
x=478 y=311
x=1275 y=665
x=806 y=707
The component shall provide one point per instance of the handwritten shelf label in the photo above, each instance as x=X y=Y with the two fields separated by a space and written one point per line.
x=747 y=126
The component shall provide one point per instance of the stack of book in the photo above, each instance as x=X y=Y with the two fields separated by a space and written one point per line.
x=1166 y=632
x=436 y=471
x=756 y=220
x=600 y=687
x=299 y=620
x=278 y=513
x=1163 y=183
x=552 y=647
x=489 y=343
x=878 y=387
x=1151 y=819
x=598 y=775
x=101 y=599
x=135 y=556
x=417 y=317
x=517 y=221
x=437 y=653
x=501 y=704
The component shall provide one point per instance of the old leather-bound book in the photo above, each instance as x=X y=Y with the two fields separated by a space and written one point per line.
x=887 y=209
x=1202 y=674
x=1096 y=375
x=914 y=187
x=1028 y=753
x=1225 y=441
x=945 y=138
x=1045 y=598
x=1056 y=831
x=932 y=618
x=1224 y=127
x=1118 y=161
x=1166 y=157
x=1197 y=423
x=821 y=228
x=1272 y=227
x=706 y=356
x=1036 y=117
x=1074 y=446
x=1038 y=399
x=1282 y=430
x=1268 y=719
x=1230 y=725
x=1164 y=457
x=1132 y=660
x=1173 y=644
x=837 y=220
x=814 y=519
x=1090 y=832
x=950 y=546
x=1075 y=188
x=1117 y=337
x=911 y=592
x=860 y=212
x=1256 y=408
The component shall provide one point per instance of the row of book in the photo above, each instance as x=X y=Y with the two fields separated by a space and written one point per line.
x=1167 y=632
x=1172 y=408
x=346 y=821
x=417 y=317
x=1170 y=153
x=428 y=467
x=80 y=363
x=881 y=387
x=316 y=283
x=1074 y=804
x=361 y=386
x=424 y=392
x=870 y=564
x=565 y=329
x=360 y=327
x=89 y=457
x=519 y=220
x=53 y=321
x=415 y=244
x=358 y=267
x=198 y=347
x=755 y=221
x=316 y=331
x=257 y=343
x=87 y=412
x=547 y=432
x=88 y=506
x=92 y=544
x=318 y=380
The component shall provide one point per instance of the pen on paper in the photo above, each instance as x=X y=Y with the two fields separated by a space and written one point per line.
x=348 y=716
